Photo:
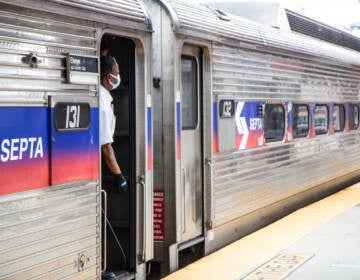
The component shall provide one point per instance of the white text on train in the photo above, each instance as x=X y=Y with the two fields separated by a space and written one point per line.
x=72 y=116
x=255 y=124
x=19 y=148
x=76 y=64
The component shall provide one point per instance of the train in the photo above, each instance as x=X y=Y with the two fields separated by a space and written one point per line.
x=223 y=126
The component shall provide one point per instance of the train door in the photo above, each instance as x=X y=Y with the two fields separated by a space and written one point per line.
x=191 y=145
x=119 y=225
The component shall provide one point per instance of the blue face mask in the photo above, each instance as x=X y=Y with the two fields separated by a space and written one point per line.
x=118 y=81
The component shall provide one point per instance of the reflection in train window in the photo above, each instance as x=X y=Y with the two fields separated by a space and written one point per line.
x=300 y=120
x=354 y=116
x=189 y=93
x=339 y=117
x=274 y=122
x=321 y=119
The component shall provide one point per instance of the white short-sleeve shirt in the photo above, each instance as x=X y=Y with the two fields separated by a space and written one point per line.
x=107 y=118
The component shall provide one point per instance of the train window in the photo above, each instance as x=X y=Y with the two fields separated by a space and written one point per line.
x=321 y=119
x=274 y=122
x=339 y=117
x=300 y=120
x=354 y=116
x=189 y=92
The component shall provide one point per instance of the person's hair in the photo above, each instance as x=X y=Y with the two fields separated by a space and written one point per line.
x=107 y=64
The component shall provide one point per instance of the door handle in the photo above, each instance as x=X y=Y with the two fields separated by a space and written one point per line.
x=209 y=162
x=183 y=170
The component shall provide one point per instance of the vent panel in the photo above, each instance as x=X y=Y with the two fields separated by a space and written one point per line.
x=307 y=26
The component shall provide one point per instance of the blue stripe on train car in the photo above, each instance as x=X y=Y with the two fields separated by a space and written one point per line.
x=24 y=148
x=75 y=154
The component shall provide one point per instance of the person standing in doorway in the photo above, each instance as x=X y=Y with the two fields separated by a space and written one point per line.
x=109 y=80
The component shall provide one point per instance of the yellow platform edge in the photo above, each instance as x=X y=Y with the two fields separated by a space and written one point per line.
x=241 y=256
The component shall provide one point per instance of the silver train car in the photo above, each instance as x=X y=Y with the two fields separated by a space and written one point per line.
x=224 y=125
x=250 y=123
x=51 y=196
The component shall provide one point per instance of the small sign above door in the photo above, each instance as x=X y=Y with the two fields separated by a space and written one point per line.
x=82 y=69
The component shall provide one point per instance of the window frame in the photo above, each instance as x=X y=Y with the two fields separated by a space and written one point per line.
x=342 y=125
x=351 y=113
x=308 y=120
x=267 y=140
x=327 y=117
x=196 y=123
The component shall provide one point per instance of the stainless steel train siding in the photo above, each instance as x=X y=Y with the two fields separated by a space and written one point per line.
x=240 y=185
x=53 y=232
x=241 y=182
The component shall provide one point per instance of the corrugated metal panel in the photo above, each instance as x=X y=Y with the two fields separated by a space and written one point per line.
x=43 y=232
x=124 y=13
x=255 y=75
x=22 y=32
x=241 y=184
x=251 y=61
x=200 y=21
x=120 y=8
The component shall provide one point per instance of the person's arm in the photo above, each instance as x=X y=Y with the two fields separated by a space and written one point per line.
x=110 y=159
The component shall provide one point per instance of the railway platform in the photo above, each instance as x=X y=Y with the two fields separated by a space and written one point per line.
x=319 y=241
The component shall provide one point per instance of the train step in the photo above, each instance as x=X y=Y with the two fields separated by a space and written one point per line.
x=117 y=275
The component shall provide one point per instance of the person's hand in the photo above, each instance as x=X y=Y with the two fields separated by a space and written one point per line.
x=120 y=182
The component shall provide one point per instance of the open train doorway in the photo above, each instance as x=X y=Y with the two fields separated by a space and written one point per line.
x=119 y=225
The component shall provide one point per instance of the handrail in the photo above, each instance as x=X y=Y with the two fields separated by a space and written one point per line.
x=104 y=232
x=143 y=246
x=184 y=200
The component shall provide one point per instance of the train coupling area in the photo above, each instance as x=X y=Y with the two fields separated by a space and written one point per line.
x=319 y=241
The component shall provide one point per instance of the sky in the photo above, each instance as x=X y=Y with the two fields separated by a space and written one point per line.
x=337 y=13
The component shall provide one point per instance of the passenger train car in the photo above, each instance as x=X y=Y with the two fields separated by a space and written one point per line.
x=51 y=186
x=223 y=125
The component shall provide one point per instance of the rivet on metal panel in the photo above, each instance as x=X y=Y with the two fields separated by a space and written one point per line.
x=31 y=59
x=82 y=261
